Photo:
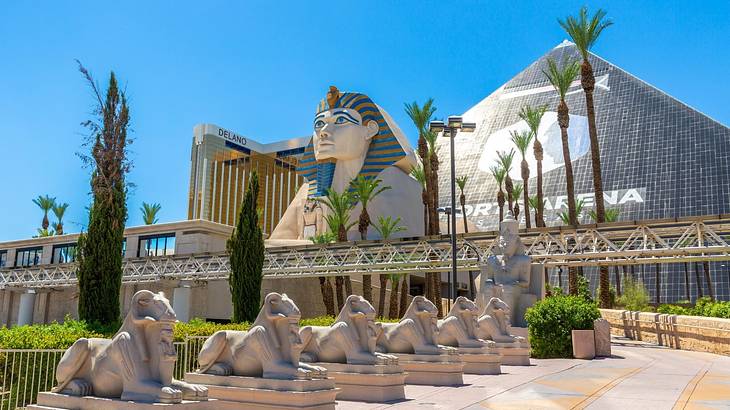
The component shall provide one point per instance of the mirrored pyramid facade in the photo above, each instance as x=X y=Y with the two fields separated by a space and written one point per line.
x=660 y=158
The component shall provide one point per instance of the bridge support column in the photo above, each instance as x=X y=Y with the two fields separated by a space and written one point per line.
x=26 y=307
x=181 y=296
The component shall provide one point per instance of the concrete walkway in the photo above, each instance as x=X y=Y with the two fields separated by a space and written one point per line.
x=638 y=376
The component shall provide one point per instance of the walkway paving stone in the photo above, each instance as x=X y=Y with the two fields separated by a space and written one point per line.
x=637 y=376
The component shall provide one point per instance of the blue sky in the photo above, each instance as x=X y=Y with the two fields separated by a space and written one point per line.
x=260 y=69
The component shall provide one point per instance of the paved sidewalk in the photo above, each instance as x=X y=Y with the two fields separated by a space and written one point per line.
x=638 y=376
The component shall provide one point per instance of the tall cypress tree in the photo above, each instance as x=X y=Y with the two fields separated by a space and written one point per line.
x=100 y=256
x=246 y=251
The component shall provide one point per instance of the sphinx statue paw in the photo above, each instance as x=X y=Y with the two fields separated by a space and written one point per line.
x=170 y=394
x=78 y=387
x=447 y=350
x=316 y=372
x=220 y=369
x=191 y=391
x=386 y=359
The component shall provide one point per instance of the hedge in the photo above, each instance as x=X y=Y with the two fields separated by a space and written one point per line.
x=703 y=307
x=552 y=320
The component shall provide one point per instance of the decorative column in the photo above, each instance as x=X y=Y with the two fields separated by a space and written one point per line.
x=27 y=305
x=181 y=300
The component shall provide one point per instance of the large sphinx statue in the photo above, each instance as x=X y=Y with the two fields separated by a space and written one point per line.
x=135 y=365
x=508 y=273
x=351 y=339
x=353 y=136
x=270 y=349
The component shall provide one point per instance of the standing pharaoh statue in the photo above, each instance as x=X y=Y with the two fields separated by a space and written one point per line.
x=506 y=274
x=353 y=136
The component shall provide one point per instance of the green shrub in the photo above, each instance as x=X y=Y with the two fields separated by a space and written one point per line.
x=674 y=310
x=634 y=297
x=552 y=320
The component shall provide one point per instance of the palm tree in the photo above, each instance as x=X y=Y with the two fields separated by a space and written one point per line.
x=565 y=216
x=498 y=172
x=44 y=232
x=611 y=215
x=505 y=158
x=522 y=140
x=325 y=285
x=386 y=227
x=59 y=210
x=584 y=32
x=568 y=219
x=461 y=183
x=46 y=203
x=149 y=213
x=561 y=78
x=364 y=190
x=433 y=181
x=534 y=203
x=516 y=210
x=427 y=151
x=338 y=220
x=421 y=117
x=533 y=117
x=393 y=305
x=417 y=172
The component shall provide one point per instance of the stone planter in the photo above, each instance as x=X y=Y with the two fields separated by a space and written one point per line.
x=584 y=345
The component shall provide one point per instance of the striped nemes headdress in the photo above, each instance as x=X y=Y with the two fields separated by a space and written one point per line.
x=386 y=148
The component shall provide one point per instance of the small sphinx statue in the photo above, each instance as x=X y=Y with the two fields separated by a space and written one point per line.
x=135 y=365
x=494 y=323
x=508 y=269
x=270 y=349
x=459 y=328
x=417 y=332
x=351 y=339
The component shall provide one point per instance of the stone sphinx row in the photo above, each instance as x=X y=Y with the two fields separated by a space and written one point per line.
x=277 y=363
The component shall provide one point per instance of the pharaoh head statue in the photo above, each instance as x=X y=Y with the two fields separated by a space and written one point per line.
x=509 y=238
x=351 y=127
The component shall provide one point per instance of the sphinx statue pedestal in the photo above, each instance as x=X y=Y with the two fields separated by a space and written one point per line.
x=446 y=369
x=480 y=360
x=514 y=354
x=57 y=401
x=347 y=350
x=235 y=392
x=374 y=383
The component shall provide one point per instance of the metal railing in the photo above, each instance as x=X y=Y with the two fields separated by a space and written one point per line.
x=611 y=244
x=26 y=372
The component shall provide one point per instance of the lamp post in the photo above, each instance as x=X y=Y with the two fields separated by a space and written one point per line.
x=450 y=129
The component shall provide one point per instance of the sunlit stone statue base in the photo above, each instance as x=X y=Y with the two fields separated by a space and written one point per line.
x=480 y=360
x=57 y=401
x=369 y=383
x=235 y=392
x=432 y=369
x=514 y=354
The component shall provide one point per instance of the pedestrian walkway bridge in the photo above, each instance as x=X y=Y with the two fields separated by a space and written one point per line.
x=610 y=244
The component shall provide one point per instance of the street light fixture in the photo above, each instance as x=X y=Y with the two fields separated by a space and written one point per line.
x=451 y=129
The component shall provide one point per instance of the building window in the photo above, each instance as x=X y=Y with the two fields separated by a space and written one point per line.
x=124 y=248
x=65 y=253
x=157 y=245
x=3 y=258
x=28 y=256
